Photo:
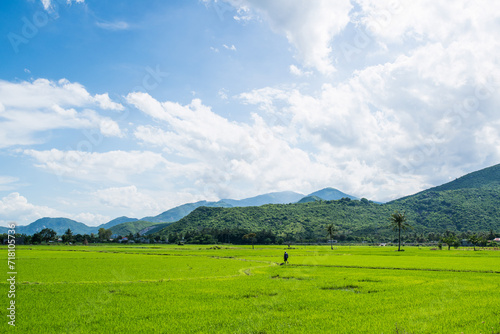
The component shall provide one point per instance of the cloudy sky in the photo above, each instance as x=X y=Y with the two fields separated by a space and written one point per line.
x=131 y=107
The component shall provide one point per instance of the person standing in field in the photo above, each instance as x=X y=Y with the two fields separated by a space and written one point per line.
x=285 y=257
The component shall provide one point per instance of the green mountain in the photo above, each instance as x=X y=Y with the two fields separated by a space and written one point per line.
x=470 y=203
x=153 y=228
x=116 y=221
x=181 y=211
x=298 y=221
x=330 y=194
x=60 y=225
x=482 y=179
x=308 y=199
x=133 y=227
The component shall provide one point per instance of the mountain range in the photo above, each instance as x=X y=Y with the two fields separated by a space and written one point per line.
x=471 y=202
x=60 y=225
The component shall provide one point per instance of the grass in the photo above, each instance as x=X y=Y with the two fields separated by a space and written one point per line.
x=205 y=289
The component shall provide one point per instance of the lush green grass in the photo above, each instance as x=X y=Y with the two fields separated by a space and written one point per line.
x=202 y=289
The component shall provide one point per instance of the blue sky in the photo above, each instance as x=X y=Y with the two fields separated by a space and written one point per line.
x=111 y=108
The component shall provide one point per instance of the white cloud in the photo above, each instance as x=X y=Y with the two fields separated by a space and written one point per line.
x=128 y=198
x=113 y=166
x=231 y=48
x=228 y=157
x=7 y=183
x=90 y=219
x=298 y=72
x=30 y=108
x=105 y=102
x=113 y=26
x=310 y=26
x=394 y=129
x=16 y=208
x=48 y=4
x=222 y=93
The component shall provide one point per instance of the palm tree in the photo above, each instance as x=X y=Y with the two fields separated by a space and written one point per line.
x=398 y=222
x=331 y=229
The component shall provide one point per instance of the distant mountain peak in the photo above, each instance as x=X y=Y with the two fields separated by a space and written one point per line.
x=277 y=197
x=330 y=194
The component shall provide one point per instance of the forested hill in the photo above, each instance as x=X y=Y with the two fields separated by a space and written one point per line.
x=482 y=179
x=487 y=178
x=299 y=220
x=470 y=203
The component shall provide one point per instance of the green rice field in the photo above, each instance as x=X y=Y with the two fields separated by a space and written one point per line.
x=237 y=289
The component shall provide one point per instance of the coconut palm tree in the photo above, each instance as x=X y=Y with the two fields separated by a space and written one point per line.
x=398 y=222
x=331 y=229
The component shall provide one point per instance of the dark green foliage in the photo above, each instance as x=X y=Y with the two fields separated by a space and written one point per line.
x=450 y=239
x=399 y=223
x=309 y=199
x=67 y=236
x=131 y=227
x=47 y=234
x=104 y=234
x=116 y=221
x=290 y=222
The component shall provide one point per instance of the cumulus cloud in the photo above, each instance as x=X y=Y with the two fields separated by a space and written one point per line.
x=298 y=72
x=16 y=208
x=112 y=166
x=393 y=129
x=227 y=158
x=30 y=108
x=129 y=198
x=49 y=4
x=105 y=102
x=310 y=26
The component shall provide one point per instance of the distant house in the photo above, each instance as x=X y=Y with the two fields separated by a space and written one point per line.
x=496 y=240
x=383 y=245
